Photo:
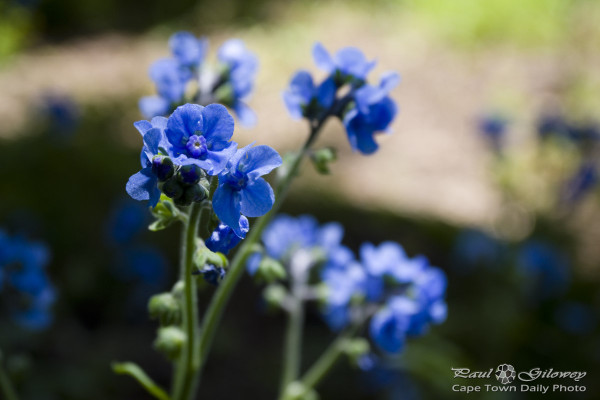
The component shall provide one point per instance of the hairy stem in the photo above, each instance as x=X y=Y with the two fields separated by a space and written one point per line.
x=292 y=346
x=6 y=387
x=187 y=365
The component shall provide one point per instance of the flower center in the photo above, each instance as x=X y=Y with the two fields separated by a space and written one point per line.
x=196 y=147
x=238 y=179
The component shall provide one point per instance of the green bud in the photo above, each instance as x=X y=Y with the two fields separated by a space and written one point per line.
x=169 y=341
x=270 y=270
x=322 y=158
x=166 y=308
x=275 y=295
x=178 y=290
x=191 y=194
x=356 y=348
x=165 y=213
x=173 y=188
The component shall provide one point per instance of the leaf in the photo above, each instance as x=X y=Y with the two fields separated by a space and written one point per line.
x=137 y=373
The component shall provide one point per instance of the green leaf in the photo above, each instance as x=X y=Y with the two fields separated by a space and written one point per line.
x=137 y=373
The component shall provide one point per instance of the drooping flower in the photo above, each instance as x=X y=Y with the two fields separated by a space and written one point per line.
x=241 y=189
x=201 y=136
x=224 y=238
x=305 y=99
x=349 y=63
x=144 y=184
x=373 y=113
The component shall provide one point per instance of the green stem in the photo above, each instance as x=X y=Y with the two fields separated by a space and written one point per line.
x=186 y=380
x=213 y=314
x=322 y=366
x=6 y=387
x=293 y=345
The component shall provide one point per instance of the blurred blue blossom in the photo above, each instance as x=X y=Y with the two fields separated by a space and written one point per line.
x=62 y=111
x=230 y=86
x=581 y=183
x=348 y=63
x=241 y=189
x=126 y=220
x=305 y=99
x=545 y=269
x=474 y=248
x=576 y=318
x=493 y=128
x=24 y=284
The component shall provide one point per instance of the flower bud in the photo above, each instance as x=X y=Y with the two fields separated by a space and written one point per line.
x=275 y=295
x=162 y=167
x=270 y=270
x=172 y=188
x=322 y=158
x=190 y=174
x=170 y=341
x=165 y=308
x=191 y=194
x=356 y=348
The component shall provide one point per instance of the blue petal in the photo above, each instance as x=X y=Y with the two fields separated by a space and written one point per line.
x=293 y=103
x=142 y=126
x=143 y=186
x=152 y=140
x=257 y=198
x=217 y=125
x=259 y=160
x=322 y=58
x=245 y=114
x=226 y=204
x=302 y=85
x=215 y=162
x=151 y=106
x=326 y=93
x=352 y=61
x=187 y=49
x=183 y=123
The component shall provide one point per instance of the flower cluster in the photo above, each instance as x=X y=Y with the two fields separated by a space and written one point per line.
x=403 y=295
x=364 y=109
x=183 y=154
x=27 y=291
x=229 y=83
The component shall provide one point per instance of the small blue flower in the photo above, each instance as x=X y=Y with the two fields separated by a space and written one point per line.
x=241 y=188
x=201 y=136
x=213 y=275
x=304 y=99
x=223 y=239
x=373 y=113
x=144 y=184
x=62 y=111
x=349 y=62
x=188 y=50
x=170 y=79
x=584 y=180
x=493 y=128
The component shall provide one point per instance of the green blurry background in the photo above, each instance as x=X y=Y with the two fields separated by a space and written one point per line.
x=433 y=180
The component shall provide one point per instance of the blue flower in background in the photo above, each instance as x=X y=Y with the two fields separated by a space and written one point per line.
x=241 y=189
x=546 y=270
x=305 y=99
x=474 y=248
x=493 y=129
x=144 y=184
x=151 y=106
x=373 y=113
x=126 y=221
x=576 y=318
x=201 y=136
x=22 y=269
x=62 y=111
x=224 y=238
x=188 y=50
x=584 y=180
x=349 y=63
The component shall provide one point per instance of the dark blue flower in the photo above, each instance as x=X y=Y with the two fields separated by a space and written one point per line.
x=62 y=111
x=212 y=274
x=349 y=62
x=584 y=180
x=546 y=270
x=493 y=128
x=144 y=184
x=373 y=113
x=188 y=50
x=304 y=99
x=201 y=136
x=241 y=189
x=223 y=239
x=552 y=125
x=476 y=248
x=576 y=318
x=127 y=220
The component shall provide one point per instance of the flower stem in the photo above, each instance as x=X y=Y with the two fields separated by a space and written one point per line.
x=6 y=387
x=293 y=345
x=186 y=380
x=213 y=314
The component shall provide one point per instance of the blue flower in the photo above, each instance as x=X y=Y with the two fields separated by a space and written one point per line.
x=349 y=62
x=223 y=239
x=151 y=106
x=127 y=220
x=581 y=183
x=241 y=66
x=241 y=188
x=476 y=248
x=343 y=283
x=304 y=99
x=388 y=329
x=576 y=318
x=373 y=113
x=546 y=270
x=493 y=128
x=170 y=79
x=213 y=275
x=22 y=266
x=188 y=50
x=144 y=184
x=201 y=136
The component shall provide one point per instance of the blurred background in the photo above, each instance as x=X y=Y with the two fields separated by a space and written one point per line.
x=490 y=171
